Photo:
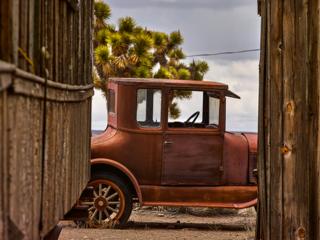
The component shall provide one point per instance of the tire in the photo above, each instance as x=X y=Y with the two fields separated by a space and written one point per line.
x=109 y=201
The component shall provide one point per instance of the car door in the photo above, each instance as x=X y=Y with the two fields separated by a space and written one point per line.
x=192 y=149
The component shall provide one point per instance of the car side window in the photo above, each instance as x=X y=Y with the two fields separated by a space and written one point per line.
x=149 y=108
x=193 y=109
x=214 y=111
x=185 y=108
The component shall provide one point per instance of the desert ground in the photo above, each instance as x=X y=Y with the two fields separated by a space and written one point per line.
x=172 y=223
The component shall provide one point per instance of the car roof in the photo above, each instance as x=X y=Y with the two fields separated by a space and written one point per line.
x=189 y=84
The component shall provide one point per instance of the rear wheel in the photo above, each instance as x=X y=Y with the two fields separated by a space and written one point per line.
x=109 y=202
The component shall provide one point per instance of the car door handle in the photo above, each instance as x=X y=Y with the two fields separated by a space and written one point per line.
x=168 y=142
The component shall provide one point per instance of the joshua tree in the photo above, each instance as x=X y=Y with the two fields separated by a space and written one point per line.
x=129 y=50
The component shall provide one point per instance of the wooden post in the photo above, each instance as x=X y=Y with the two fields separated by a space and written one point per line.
x=289 y=159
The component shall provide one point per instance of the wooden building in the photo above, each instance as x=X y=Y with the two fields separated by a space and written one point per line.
x=45 y=112
x=289 y=135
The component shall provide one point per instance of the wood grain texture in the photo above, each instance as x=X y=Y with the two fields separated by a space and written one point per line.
x=45 y=122
x=5 y=81
x=289 y=120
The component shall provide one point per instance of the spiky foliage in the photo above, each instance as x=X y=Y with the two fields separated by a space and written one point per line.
x=102 y=54
x=184 y=74
x=102 y=13
x=175 y=39
x=127 y=24
x=198 y=69
x=163 y=73
x=129 y=50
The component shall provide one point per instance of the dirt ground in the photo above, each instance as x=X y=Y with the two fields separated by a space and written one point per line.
x=182 y=224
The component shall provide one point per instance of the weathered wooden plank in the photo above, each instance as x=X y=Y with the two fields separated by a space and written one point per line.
x=289 y=120
x=50 y=38
x=31 y=33
x=79 y=41
x=60 y=42
x=73 y=4
x=276 y=127
x=14 y=30
x=2 y=172
x=37 y=42
x=6 y=22
x=314 y=135
x=56 y=53
x=71 y=48
x=37 y=168
x=25 y=163
x=43 y=39
x=69 y=45
x=43 y=185
x=65 y=42
x=85 y=43
x=23 y=34
x=5 y=80
x=262 y=203
x=67 y=162
x=75 y=47
x=90 y=43
x=47 y=191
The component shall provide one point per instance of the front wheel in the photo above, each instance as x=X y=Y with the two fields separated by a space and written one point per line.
x=109 y=202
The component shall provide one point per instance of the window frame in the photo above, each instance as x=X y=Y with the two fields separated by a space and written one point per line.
x=113 y=93
x=140 y=127
x=217 y=94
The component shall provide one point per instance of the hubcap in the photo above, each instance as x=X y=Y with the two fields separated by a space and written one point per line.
x=106 y=203
x=100 y=203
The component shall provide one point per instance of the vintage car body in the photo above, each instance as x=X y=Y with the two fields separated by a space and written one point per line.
x=166 y=163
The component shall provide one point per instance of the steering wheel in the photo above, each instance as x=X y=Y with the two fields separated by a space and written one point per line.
x=194 y=116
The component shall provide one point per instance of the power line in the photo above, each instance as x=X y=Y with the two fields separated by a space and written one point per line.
x=224 y=53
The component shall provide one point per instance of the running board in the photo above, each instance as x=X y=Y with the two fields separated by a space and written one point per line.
x=213 y=205
x=220 y=197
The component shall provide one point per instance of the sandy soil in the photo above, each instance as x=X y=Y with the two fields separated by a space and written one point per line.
x=161 y=224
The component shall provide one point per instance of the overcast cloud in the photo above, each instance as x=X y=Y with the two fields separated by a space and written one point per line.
x=208 y=26
x=180 y=4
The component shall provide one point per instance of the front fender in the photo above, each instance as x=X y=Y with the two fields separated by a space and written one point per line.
x=123 y=169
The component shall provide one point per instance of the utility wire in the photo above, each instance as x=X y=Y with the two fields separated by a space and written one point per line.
x=224 y=53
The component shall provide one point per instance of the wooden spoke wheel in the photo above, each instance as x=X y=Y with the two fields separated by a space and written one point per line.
x=109 y=202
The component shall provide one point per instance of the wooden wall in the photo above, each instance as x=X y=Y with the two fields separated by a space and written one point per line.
x=45 y=112
x=289 y=159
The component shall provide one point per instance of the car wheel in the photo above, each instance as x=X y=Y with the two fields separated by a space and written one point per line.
x=109 y=202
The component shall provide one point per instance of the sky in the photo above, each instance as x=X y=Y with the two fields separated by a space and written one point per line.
x=208 y=26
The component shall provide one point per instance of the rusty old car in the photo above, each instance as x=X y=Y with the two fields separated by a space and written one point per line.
x=166 y=145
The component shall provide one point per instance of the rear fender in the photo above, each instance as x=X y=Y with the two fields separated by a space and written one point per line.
x=252 y=140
